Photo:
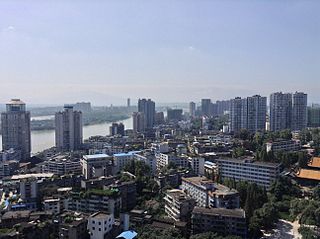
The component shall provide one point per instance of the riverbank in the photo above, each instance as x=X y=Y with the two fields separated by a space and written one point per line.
x=49 y=124
x=44 y=139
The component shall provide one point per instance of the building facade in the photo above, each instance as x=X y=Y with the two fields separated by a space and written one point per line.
x=210 y=194
x=220 y=220
x=178 y=205
x=249 y=170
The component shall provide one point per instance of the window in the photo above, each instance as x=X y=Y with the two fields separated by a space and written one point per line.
x=93 y=228
x=99 y=229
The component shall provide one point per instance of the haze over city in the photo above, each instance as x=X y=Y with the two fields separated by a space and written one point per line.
x=53 y=52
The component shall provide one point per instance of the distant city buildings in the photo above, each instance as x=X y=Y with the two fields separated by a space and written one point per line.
x=138 y=119
x=314 y=115
x=206 y=107
x=117 y=129
x=192 y=109
x=68 y=131
x=84 y=107
x=128 y=103
x=159 y=118
x=174 y=114
x=15 y=125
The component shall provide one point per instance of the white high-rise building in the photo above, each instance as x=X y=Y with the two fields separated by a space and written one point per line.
x=68 y=129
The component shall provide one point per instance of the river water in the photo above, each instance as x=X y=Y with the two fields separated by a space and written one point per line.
x=43 y=139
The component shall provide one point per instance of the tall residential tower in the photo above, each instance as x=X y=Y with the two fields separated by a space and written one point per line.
x=280 y=111
x=299 y=111
x=68 y=129
x=147 y=107
x=15 y=125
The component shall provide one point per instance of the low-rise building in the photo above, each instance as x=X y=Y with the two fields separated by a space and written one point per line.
x=73 y=225
x=261 y=173
x=100 y=224
x=210 y=194
x=220 y=220
x=97 y=165
x=122 y=159
x=178 y=205
x=283 y=145
x=91 y=201
x=61 y=165
x=7 y=168
x=52 y=204
x=164 y=160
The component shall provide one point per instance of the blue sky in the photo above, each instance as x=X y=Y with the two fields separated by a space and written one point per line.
x=171 y=51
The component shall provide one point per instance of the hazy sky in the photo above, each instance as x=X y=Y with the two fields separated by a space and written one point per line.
x=169 y=50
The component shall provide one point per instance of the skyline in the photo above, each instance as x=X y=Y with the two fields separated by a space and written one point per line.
x=106 y=52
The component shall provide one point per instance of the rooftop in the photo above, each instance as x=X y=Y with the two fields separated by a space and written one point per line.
x=308 y=174
x=100 y=215
x=96 y=156
x=16 y=102
x=248 y=161
x=315 y=162
x=126 y=154
x=239 y=213
x=128 y=235
x=31 y=175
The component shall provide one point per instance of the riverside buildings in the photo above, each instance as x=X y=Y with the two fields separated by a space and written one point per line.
x=147 y=107
x=68 y=129
x=15 y=125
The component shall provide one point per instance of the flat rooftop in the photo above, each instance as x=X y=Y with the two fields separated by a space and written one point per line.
x=100 y=215
x=31 y=175
x=96 y=156
x=248 y=161
x=308 y=174
x=315 y=162
x=239 y=213
x=126 y=154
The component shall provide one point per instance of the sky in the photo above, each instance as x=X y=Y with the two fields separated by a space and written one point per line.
x=55 y=52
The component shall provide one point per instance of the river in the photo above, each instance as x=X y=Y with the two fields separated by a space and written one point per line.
x=43 y=139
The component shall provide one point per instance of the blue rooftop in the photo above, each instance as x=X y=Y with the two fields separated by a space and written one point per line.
x=128 y=235
x=126 y=154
